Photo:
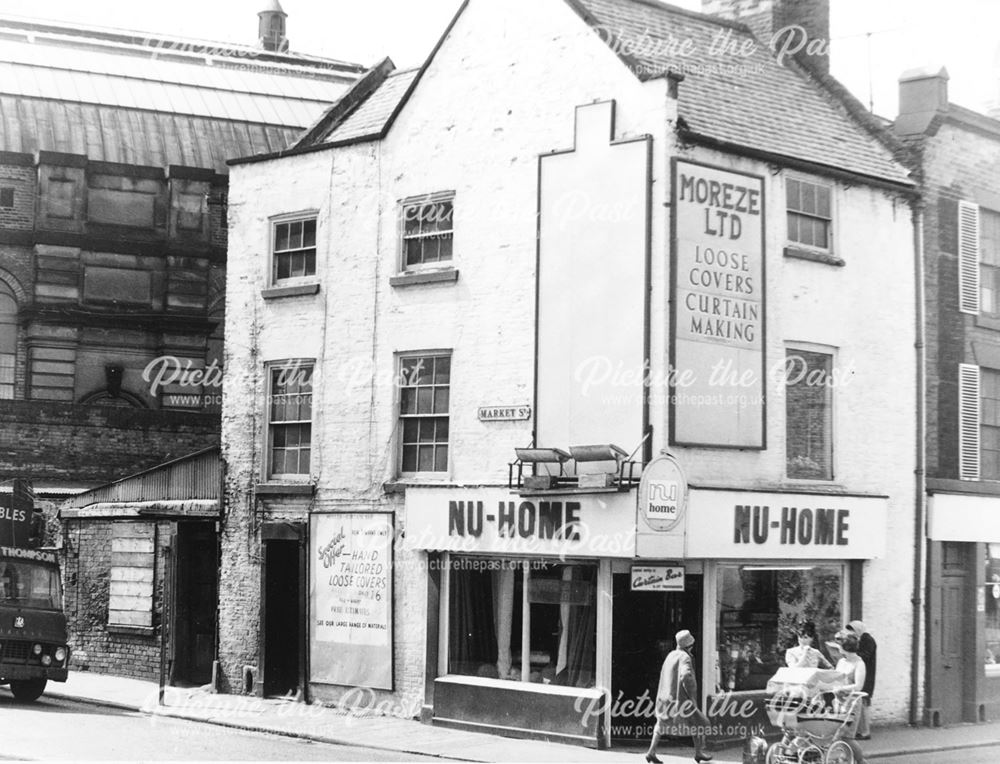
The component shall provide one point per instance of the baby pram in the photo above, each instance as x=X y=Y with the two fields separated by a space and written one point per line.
x=817 y=721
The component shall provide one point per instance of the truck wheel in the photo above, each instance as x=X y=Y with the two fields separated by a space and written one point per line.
x=27 y=690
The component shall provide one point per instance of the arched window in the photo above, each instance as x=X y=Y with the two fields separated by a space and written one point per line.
x=8 y=340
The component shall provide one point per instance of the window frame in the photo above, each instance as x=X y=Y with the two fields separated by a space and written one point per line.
x=289 y=218
x=829 y=249
x=413 y=202
x=831 y=402
x=988 y=218
x=270 y=368
x=7 y=293
x=401 y=358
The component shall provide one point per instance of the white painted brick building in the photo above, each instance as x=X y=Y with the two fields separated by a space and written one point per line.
x=354 y=301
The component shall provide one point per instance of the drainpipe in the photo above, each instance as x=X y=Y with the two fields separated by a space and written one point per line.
x=920 y=507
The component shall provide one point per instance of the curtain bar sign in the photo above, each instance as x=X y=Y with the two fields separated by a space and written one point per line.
x=657 y=578
x=504 y=413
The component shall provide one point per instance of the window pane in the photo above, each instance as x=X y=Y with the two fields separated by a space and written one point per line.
x=445 y=248
x=281 y=236
x=309 y=233
x=413 y=252
x=426 y=431
x=409 y=459
x=425 y=458
x=808 y=406
x=408 y=401
x=442 y=430
x=441 y=459
x=441 y=401
x=425 y=400
x=442 y=370
x=794 y=194
x=410 y=429
x=484 y=624
x=823 y=201
x=793 y=227
x=758 y=614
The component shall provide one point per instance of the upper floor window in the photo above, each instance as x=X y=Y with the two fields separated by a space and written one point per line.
x=989 y=261
x=293 y=252
x=808 y=415
x=425 y=390
x=810 y=213
x=427 y=230
x=289 y=419
x=8 y=340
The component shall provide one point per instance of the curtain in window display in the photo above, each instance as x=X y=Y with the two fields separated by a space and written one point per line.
x=503 y=585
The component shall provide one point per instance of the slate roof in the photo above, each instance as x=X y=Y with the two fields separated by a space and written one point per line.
x=155 y=102
x=371 y=116
x=735 y=102
x=751 y=101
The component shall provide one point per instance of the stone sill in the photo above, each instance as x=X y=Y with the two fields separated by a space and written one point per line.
x=132 y=631
x=446 y=275
x=274 y=293
x=988 y=321
x=813 y=256
x=284 y=489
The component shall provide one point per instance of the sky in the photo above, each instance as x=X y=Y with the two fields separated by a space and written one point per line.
x=872 y=41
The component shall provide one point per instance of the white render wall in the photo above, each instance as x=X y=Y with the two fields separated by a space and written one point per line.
x=502 y=90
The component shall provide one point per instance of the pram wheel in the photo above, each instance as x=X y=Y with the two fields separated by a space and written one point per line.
x=845 y=752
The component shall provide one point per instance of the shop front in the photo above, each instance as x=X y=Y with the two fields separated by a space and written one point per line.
x=963 y=603
x=771 y=560
x=553 y=613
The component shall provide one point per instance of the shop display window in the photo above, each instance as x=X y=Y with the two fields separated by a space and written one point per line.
x=489 y=602
x=991 y=595
x=759 y=607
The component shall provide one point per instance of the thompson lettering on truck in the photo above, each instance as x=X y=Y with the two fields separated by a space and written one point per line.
x=32 y=624
x=33 y=646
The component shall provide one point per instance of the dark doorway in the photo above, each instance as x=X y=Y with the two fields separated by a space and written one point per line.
x=283 y=618
x=195 y=603
x=952 y=617
x=644 y=624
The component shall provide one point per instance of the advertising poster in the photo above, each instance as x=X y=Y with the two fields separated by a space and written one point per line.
x=717 y=354
x=350 y=635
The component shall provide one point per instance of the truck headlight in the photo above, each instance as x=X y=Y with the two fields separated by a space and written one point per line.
x=46 y=660
x=60 y=654
x=36 y=649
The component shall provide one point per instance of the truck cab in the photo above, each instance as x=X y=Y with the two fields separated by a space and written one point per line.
x=33 y=646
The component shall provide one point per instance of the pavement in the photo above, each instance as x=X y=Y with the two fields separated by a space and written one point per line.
x=325 y=724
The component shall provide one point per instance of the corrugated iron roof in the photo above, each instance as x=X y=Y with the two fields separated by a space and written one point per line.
x=745 y=100
x=195 y=476
x=117 y=100
x=115 y=134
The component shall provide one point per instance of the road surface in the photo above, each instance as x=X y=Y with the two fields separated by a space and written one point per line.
x=54 y=728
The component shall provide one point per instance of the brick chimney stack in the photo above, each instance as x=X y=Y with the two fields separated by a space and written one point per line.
x=923 y=93
x=271 y=28
x=768 y=18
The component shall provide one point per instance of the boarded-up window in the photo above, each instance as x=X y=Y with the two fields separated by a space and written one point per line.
x=132 y=568
x=8 y=340
x=114 y=207
x=968 y=421
x=117 y=285
x=52 y=373
x=59 y=199
x=190 y=211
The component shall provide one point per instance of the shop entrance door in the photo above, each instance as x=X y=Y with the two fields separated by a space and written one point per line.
x=196 y=595
x=642 y=633
x=282 y=618
x=954 y=617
